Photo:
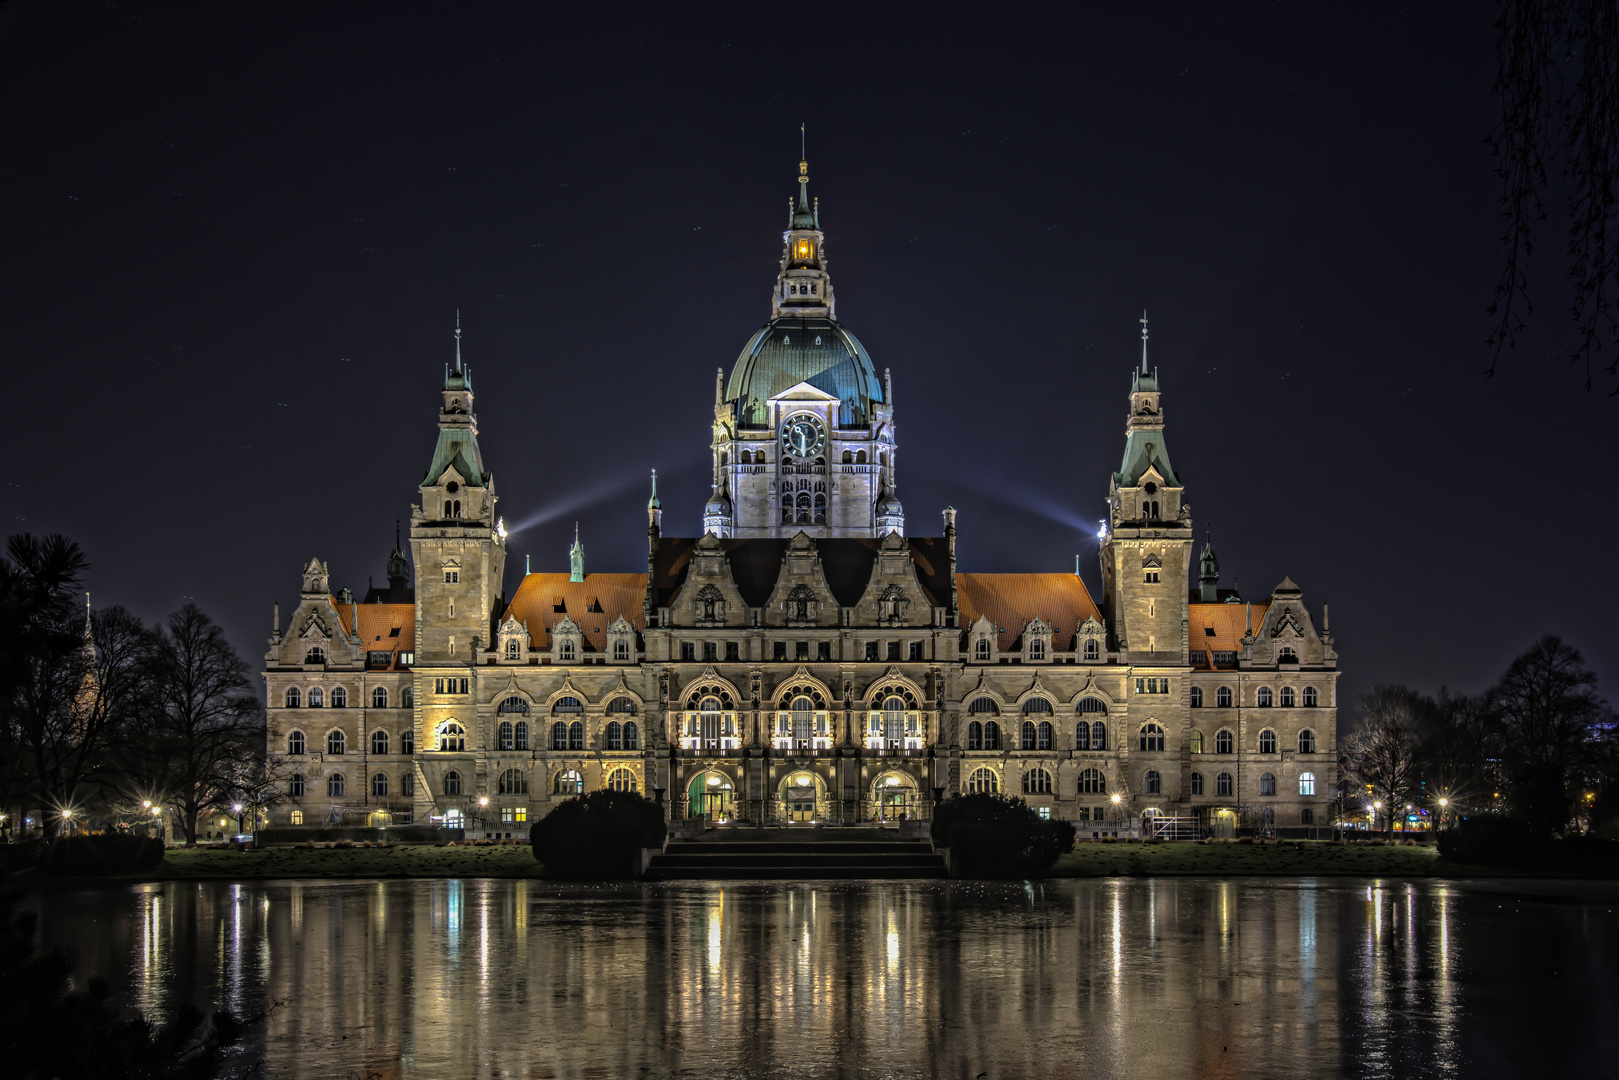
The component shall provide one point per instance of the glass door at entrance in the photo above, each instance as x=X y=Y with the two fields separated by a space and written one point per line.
x=895 y=804
x=800 y=803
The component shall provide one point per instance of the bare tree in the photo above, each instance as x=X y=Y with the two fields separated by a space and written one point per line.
x=203 y=723
x=1454 y=744
x=1381 y=754
x=1558 y=84
x=1546 y=709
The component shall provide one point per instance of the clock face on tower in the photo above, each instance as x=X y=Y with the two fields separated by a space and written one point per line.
x=802 y=436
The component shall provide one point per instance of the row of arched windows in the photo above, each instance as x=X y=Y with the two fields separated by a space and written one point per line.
x=1225 y=741
x=510 y=782
x=1225 y=784
x=1287 y=698
x=337 y=742
x=986 y=706
x=986 y=735
x=1035 y=782
x=296 y=698
x=337 y=786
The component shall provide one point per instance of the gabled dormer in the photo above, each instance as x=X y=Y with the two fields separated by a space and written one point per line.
x=567 y=642
x=621 y=642
x=1036 y=641
x=317 y=579
x=801 y=597
x=512 y=642
x=1090 y=643
x=982 y=642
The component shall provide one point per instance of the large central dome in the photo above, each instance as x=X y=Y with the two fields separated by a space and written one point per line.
x=810 y=349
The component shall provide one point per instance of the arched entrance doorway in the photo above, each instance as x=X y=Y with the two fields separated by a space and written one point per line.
x=803 y=797
x=894 y=797
x=708 y=797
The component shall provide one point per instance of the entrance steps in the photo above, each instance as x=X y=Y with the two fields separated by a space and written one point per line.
x=795 y=855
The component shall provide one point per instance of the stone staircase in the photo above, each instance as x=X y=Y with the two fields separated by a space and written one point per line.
x=739 y=854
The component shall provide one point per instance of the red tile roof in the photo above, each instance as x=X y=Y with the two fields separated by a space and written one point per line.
x=1228 y=621
x=539 y=595
x=377 y=625
x=1010 y=600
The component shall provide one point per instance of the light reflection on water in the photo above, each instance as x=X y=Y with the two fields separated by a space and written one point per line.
x=1122 y=977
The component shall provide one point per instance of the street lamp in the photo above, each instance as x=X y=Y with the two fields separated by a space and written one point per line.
x=1443 y=802
x=483 y=802
x=238 y=809
x=1116 y=811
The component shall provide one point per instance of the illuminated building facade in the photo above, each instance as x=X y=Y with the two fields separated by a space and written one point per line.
x=804 y=659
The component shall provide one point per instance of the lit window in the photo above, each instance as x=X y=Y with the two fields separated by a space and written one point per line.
x=452 y=736
x=621 y=780
x=1306 y=783
x=569 y=782
x=983 y=781
x=297 y=816
x=1037 y=782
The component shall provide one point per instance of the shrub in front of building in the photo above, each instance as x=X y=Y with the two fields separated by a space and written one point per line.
x=101 y=854
x=998 y=836
x=598 y=836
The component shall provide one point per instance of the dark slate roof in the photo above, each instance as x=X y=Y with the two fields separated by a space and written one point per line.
x=756 y=564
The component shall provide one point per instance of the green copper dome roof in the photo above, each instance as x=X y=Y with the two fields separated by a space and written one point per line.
x=815 y=350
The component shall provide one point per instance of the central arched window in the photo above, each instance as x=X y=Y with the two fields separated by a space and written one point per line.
x=1082 y=736
x=1222 y=697
x=505 y=735
x=615 y=735
x=1037 y=782
x=1152 y=783
x=975 y=735
x=632 y=735
x=379 y=786
x=1267 y=783
x=992 y=735
x=315 y=699
x=711 y=720
x=1092 y=782
x=893 y=720
x=983 y=782
x=1223 y=741
x=334 y=786
x=295 y=742
x=512 y=782
x=1152 y=737
x=1222 y=784
x=1287 y=697
x=1026 y=735
x=293 y=698
x=1309 y=697
x=452 y=783
x=379 y=698
x=1267 y=741
x=1306 y=783
x=1264 y=697
x=559 y=736
x=1042 y=736
x=621 y=780
x=379 y=743
x=576 y=735
x=569 y=782
x=520 y=735
x=452 y=736
x=340 y=698
x=1306 y=741
x=334 y=742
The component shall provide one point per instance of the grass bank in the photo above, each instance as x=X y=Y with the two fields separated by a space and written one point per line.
x=395 y=861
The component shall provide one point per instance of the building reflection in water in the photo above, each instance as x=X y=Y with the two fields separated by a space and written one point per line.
x=1166 y=977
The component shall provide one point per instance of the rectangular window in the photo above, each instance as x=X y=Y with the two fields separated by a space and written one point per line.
x=378 y=659
x=1152 y=686
x=778 y=650
x=1152 y=577
x=916 y=650
x=450 y=686
x=688 y=650
x=893 y=650
x=452 y=577
x=823 y=650
x=871 y=650
x=1044 y=812
x=732 y=651
x=802 y=650
x=711 y=651
x=406 y=659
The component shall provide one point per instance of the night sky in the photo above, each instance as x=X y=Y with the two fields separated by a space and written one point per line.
x=237 y=235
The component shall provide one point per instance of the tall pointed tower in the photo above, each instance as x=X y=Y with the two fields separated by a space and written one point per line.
x=804 y=430
x=1146 y=553
x=457 y=543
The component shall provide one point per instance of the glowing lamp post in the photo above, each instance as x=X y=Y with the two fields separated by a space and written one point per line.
x=1116 y=812
x=483 y=803
x=238 y=809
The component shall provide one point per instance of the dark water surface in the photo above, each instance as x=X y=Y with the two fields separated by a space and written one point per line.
x=1162 y=978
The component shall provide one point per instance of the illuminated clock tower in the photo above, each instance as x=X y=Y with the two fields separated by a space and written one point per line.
x=803 y=430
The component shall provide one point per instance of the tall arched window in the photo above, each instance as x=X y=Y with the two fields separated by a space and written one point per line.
x=576 y=735
x=1197 y=697
x=379 y=698
x=1264 y=697
x=379 y=786
x=1093 y=651
x=1197 y=783
x=975 y=735
x=407 y=741
x=632 y=735
x=1026 y=739
x=1267 y=741
x=983 y=707
x=295 y=743
x=893 y=720
x=315 y=699
x=980 y=650
x=1267 y=783
x=520 y=735
x=711 y=720
x=569 y=782
x=504 y=735
x=379 y=744
x=983 y=781
x=1092 y=782
x=1037 y=782
x=1152 y=737
x=615 y=735
x=1222 y=697
x=1098 y=735
x=1287 y=697
x=293 y=699
x=340 y=698
x=1223 y=741
x=992 y=735
x=1042 y=738
x=1309 y=697
x=295 y=786
x=1152 y=783
x=334 y=742
x=407 y=698
x=1222 y=784
x=334 y=786
x=1082 y=736
x=1195 y=741
x=820 y=509
x=513 y=705
x=1306 y=783
x=452 y=783
x=452 y=736
x=1306 y=741
x=559 y=736
x=621 y=780
x=512 y=782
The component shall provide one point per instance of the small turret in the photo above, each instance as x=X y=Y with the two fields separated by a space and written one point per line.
x=398 y=568
x=1208 y=575
x=576 y=557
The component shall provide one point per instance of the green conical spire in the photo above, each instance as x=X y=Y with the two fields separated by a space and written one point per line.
x=576 y=557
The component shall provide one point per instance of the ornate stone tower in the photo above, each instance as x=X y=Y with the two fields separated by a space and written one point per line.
x=1146 y=551
x=457 y=543
x=804 y=431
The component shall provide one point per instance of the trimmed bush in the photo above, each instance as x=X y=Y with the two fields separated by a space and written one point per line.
x=101 y=854
x=998 y=836
x=598 y=836
x=1506 y=842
